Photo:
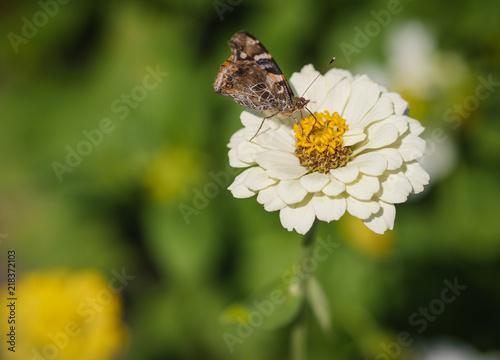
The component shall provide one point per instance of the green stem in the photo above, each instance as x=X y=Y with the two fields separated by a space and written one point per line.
x=299 y=330
x=298 y=338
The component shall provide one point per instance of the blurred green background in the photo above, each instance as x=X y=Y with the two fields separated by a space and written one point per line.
x=114 y=158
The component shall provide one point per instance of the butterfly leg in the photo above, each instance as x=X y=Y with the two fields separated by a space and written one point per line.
x=260 y=127
x=268 y=117
x=300 y=127
x=315 y=120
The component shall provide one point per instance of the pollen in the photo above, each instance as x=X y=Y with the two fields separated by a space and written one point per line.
x=320 y=144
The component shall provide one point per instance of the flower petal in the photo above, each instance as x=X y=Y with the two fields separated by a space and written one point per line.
x=346 y=174
x=337 y=97
x=314 y=182
x=234 y=160
x=246 y=152
x=364 y=95
x=280 y=165
x=398 y=121
x=238 y=188
x=257 y=179
x=383 y=136
x=236 y=138
x=362 y=209
x=270 y=199
x=371 y=163
x=334 y=187
x=301 y=80
x=400 y=105
x=286 y=173
x=329 y=92
x=381 y=110
x=412 y=147
x=393 y=157
x=354 y=135
x=383 y=220
x=250 y=119
x=336 y=83
x=364 y=188
x=329 y=208
x=271 y=158
x=281 y=139
x=298 y=216
x=395 y=188
x=415 y=127
x=334 y=76
x=291 y=191
x=417 y=176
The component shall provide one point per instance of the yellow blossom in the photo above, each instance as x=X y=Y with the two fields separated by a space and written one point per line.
x=63 y=315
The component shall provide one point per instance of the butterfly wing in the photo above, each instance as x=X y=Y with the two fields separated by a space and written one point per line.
x=249 y=85
x=246 y=47
x=254 y=80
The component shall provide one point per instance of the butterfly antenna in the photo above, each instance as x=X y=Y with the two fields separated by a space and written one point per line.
x=321 y=73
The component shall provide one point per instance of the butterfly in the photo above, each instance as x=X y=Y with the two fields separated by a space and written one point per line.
x=253 y=79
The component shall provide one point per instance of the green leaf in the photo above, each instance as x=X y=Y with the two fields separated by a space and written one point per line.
x=319 y=304
x=271 y=307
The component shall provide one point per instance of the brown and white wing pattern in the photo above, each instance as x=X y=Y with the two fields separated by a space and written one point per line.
x=254 y=80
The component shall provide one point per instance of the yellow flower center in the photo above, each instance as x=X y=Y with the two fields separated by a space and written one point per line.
x=320 y=146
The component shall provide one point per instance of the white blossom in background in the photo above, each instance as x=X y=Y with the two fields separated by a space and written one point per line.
x=453 y=350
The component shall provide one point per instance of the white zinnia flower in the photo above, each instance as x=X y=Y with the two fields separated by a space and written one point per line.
x=363 y=165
